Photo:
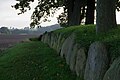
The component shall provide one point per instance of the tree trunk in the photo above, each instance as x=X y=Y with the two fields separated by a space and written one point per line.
x=76 y=12
x=106 y=16
x=70 y=5
x=90 y=12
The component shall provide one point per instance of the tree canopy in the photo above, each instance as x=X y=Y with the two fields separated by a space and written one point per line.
x=4 y=30
x=74 y=10
x=43 y=9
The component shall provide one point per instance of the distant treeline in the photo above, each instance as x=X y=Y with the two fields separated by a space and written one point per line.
x=5 y=30
x=28 y=31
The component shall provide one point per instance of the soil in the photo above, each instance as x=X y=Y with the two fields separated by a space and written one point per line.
x=9 y=40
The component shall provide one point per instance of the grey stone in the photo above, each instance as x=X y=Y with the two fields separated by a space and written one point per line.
x=45 y=37
x=97 y=62
x=73 y=57
x=71 y=49
x=67 y=48
x=42 y=39
x=48 y=39
x=59 y=40
x=51 y=40
x=64 y=49
x=59 y=43
x=80 y=62
x=54 y=46
x=113 y=72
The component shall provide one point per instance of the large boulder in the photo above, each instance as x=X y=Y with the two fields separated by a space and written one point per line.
x=97 y=62
x=54 y=46
x=43 y=39
x=80 y=62
x=73 y=57
x=113 y=72
x=60 y=42
x=67 y=47
x=51 y=40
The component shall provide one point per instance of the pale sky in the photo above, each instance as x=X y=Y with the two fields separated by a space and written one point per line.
x=9 y=17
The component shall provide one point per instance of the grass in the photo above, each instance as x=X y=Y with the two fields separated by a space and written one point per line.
x=65 y=32
x=86 y=34
x=33 y=61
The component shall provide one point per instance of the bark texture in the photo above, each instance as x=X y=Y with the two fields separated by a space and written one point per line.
x=75 y=11
x=90 y=12
x=106 y=17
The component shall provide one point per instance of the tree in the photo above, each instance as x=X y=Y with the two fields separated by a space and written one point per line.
x=4 y=30
x=43 y=9
x=77 y=11
x=106 y=16
x=74 y=9
x=90 y=12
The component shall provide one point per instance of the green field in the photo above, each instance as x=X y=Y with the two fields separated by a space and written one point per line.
x=33 y=61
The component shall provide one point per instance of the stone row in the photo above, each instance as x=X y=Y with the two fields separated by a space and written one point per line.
x=91 y=64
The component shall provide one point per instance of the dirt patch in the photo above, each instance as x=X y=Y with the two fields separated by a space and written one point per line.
x=7 y=41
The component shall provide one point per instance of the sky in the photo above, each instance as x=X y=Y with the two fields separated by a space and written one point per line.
x=9 y=17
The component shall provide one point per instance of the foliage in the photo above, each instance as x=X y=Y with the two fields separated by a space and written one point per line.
x=33 y=61
x=4 y=30
x=62 y=19
x=46 y=8
x=43 y=9
x=118 y=5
